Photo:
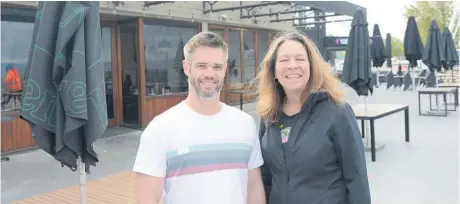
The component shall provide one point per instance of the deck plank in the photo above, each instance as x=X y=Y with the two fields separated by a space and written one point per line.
x=112 y=189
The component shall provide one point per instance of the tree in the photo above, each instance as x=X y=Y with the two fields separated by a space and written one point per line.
x=425 y=11
x=397 y=47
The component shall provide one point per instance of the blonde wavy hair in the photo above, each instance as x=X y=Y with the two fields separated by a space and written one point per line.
x=271 y=94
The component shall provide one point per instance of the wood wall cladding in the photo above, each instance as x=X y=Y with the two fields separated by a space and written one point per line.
x=156 y=105
x=16 y=133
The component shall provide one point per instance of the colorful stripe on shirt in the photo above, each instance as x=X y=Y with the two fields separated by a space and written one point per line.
x=207 y=158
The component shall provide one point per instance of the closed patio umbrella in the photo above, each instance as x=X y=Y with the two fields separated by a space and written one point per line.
x=378 y=54
x=449 y=51
x=388 y=49
x=432 y=54
x=413 y=46
x=357 y=65
x=65 y=101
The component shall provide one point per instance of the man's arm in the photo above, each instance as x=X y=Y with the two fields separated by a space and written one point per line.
x=150 y=164
x=149 y=189
x=256 y=193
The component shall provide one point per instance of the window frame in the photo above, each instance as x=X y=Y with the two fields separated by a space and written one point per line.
x=168 y=23
x=241 y=29
x=11 y=13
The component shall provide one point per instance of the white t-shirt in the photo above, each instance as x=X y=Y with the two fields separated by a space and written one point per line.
x=204 y=158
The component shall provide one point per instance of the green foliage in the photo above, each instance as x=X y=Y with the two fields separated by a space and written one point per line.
x=397 y=47
x=425 y=11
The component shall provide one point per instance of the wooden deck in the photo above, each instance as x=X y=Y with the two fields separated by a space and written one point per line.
x=113 y=189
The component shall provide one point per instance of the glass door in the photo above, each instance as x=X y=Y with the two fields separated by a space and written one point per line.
x=110 y=72
x=129 y=73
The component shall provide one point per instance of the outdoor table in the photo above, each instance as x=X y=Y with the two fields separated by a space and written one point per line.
x=436 y=91
x=242 y=92
x=452 y=85
x=376 y=111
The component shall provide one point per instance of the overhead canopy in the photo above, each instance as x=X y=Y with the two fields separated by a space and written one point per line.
x=335 y=8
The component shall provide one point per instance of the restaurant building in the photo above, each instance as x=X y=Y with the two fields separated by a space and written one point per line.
x=142 y=44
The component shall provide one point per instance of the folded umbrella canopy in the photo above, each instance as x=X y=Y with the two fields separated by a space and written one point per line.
x=357 y=65
x=433 y=53
x=388 y=49
x=413 y=46
x=378 y=54
x=64 y=100
x=448 y=50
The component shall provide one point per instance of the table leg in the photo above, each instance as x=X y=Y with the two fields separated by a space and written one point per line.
x=431 y=109
x=456 y=97
x=372 y=140
x=419 y=105
x=444 y=96
x=406 y=121
x=241 y=101
x=362 y=129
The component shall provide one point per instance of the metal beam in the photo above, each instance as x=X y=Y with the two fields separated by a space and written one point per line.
x=152 y=3
x=339 y=7
x=322 y=22
x=277 y=13
x=302 y=18
x=242 y=7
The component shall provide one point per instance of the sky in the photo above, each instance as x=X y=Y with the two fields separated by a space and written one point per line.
x=389 y=17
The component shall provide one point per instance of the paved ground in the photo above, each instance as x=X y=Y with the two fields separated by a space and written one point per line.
x=424 y=171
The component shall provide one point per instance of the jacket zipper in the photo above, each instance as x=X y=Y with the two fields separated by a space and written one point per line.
x=288 y=165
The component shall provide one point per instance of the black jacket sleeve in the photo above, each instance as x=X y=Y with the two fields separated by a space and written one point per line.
x=350 y=150
x=266 y=174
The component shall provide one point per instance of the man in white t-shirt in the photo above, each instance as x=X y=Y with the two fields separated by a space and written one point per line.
x=201 y=151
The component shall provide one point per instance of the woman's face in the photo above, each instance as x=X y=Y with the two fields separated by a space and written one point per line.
x=292 y=68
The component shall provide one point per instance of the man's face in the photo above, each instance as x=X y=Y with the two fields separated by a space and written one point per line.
x=206 y=71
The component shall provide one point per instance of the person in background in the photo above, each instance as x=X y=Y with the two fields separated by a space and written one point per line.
x=311 y=144
x=201 y=151
x=12 y=85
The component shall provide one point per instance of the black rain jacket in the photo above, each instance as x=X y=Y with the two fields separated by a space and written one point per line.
x=325 y=163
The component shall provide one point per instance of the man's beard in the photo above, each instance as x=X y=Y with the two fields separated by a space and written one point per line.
x=206 y=95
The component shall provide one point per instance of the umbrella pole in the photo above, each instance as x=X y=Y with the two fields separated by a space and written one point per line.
x=412 y=75
x=377 y=78
x=366 y=125
x=81 y=168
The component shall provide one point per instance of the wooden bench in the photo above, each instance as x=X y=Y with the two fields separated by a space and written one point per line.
x=373 y=112
x=436 y=91
x=112 y=189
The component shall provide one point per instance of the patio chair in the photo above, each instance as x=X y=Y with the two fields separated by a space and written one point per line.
x=430 y=80
x=407 y=80
x=397 y=82
x=390 y=79
x=374 y=80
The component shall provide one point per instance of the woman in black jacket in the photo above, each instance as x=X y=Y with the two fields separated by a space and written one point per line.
x=310 y=140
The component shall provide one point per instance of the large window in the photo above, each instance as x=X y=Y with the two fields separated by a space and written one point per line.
x=263 y=40
x=234 y=46
x=242 y=45
x=107 y=53
x=249 y=56
x=16 y=42
x=163 y=58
